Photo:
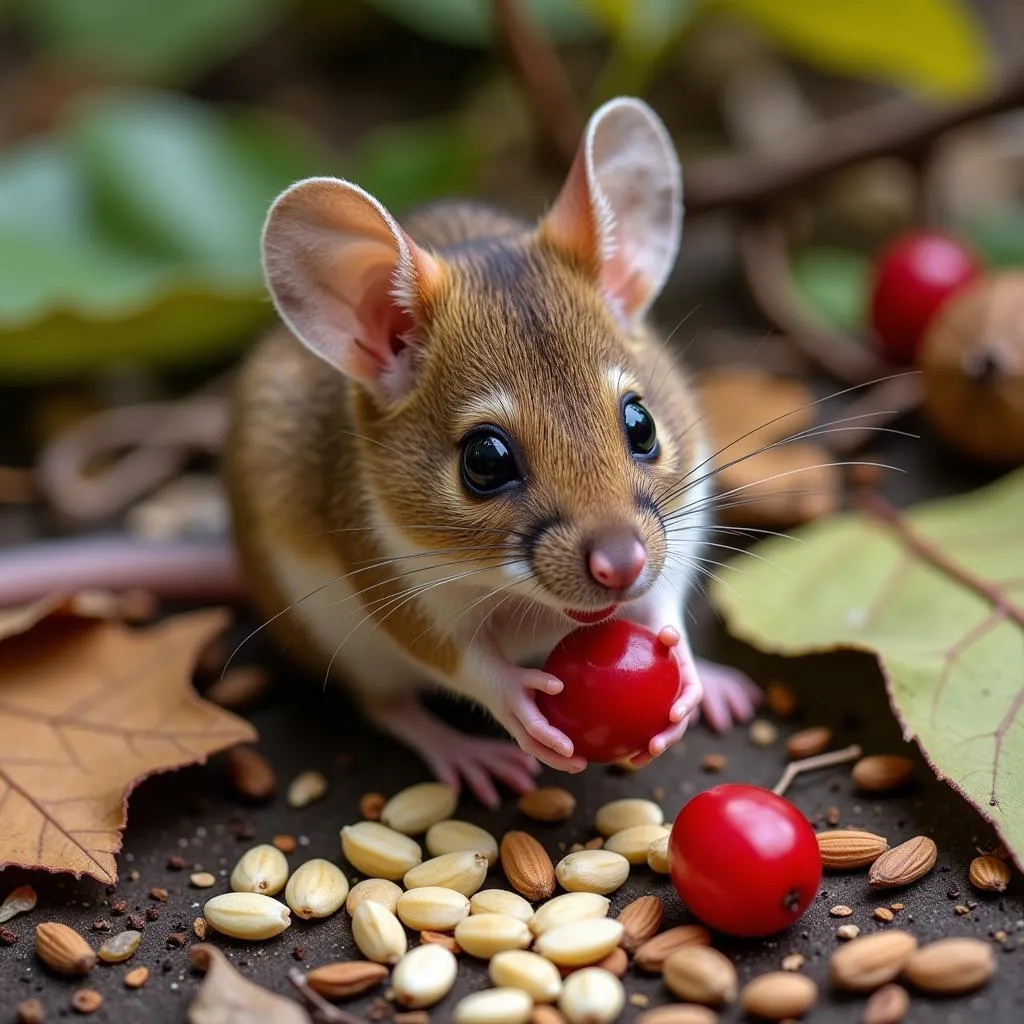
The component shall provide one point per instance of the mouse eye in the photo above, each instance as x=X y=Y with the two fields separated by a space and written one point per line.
x=640 y=431
x=488 y=464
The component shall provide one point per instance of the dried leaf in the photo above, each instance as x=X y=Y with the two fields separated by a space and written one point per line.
x=88 y=709
x=939 y=596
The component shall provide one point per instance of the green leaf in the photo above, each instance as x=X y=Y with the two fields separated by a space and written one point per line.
x=834 y=284
x=949 y=637
x=934 y=46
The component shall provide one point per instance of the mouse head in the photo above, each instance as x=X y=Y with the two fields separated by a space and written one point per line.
x=516 y=419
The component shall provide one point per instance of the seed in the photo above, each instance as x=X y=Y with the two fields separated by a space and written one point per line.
x=793 y=961
x=494 y=1006
x=527 y=866
x=657 y=855
x=987 y=873
x=888 y=1005
x=545 y=1014
x=778 y=995
x=951 y=967
x=616 y=962
x=378 y=933
x=19 y=901
x=550 y=803
x=199 y=928
x=652 y=954
x=883 y=914
x=247 y=915
x=678 y=1013
x=238 y=688
x=86 y=1000
x=441 y=939
x=841 y=910
x=501 y=901
x=378 y=851
x=780 y=699
x=316 y=889
x=713 y=762
x=808 y=742
x=120 y=947
x=832 y=815
x=370 y=806
x=592 y=996
x=30 y=1011
x=63 y=950
x=567 y=909
x=762 y=733
x=423 y=976
x=633 y=843
x=484 y=935
x=464 y=872
x=285 y=843
x=621 y=814
x=306 y=788
x=378 y=889
x=416 y=808
x=882 y=773
x=263 y=869
x=700 y=974
x=904 y=864
x=847 y=932
x=344 y=980
x=600 y=871
x=451 y=836
x=640 y=921
x=432 y=907
x=136 y=977
x=250 y=773
x=850 y=849
x=202 y=879
x=580 y=943
x=867 y=963
x=516 y=968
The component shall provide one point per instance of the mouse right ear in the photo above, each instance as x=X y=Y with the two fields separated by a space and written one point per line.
x=348 y=281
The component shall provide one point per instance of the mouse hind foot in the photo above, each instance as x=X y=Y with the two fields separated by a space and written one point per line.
x=730 y=696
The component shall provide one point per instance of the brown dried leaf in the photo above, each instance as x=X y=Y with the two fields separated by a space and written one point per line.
x=21 y=618
x=88 y=709
x=225 y=997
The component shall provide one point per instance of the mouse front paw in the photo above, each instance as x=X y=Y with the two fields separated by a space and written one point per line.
x=730 y=696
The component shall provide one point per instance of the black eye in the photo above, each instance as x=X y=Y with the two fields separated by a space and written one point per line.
x=488 y=464
x=643 y=438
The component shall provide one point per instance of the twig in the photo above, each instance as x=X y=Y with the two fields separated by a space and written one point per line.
x=811 y=764
x=321 y=1011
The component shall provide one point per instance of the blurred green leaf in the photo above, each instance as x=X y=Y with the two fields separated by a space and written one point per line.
x=833 y=283
x=170 y=41
x=999 y=239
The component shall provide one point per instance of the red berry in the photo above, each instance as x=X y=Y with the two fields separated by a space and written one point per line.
x=744 y=860
x=620 y=684
x=914 y=275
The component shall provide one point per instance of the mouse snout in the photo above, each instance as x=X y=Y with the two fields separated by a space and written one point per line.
x=615 y=558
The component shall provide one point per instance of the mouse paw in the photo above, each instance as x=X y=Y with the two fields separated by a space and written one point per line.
x=730 y=696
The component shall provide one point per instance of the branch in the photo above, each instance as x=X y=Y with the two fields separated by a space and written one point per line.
x=321 y=1011
x=813 y=764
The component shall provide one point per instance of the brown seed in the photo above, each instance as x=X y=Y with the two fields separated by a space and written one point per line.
x=371 y=805
x=793 y=962
x=158 y=894
x=640 y=921
x=550 y=803
x=808 y=742
x=86 y=1000
x=713 y=762
x=869 y=962
x=846 y=932
x=136 y=977
x=882 y=773
x=832 y=815
x=700 y=974
x=896 y=907
x=250 y=773
x=841 y=910
x=616 y=962
x=850 y=849
x=780 y=699
x=678 y=1013
x=594 y=844
x=651 y=955
x=888 y=1005
x=544 y=1014
x=62 y=949
x=238 y=688
x=199 y=928
x=904 y=864
x=441 y=939
x=30 y=1011
x=882 y=914
x=951 y=967
x=285 y=843
x=527 y=866
x=202 y=879
x=344 y=979
x=989 y=874
x=778 y=995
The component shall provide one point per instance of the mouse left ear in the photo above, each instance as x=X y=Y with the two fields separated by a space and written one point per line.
x=620 y=210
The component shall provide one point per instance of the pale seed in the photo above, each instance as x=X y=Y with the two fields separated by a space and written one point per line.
x=199 y=928
x=652 y=954
x=868 y=962
x=640 y=921
x=988 y=873
x=592 y=996
x=841 y=910
x=347 y=979
x=951 y=967
x=432 y=908
x=423 y=977
x=263 y=869
x=882 y=773
x=567 y=909
x=633 y=842
x=904 y=864
x=847 y=932
x=63 y=950
x=452 y=836
x=30 y=1011
x=484 y=935
x=501 y=901
x=850 y=849
x=617 y=815
x=316 y=889
x=808 y=742
x=793 y=961
x=464 y=872
x=700 y=974
x=416 y=808
x=550 y=804
x=379 y=851
x=657 y=855
x=120 y=947
x=679 y=1013
x=247 y=915
x=202 y=879
x=888 y=1005
x=306 y=788
x=762 y=733
x=517 y=968
x=494 y=1006
x=527 y=866
x=86 y=1000
x=19 y=901
x=136 y=977
x=581 y=943
x=380 y=890
x=778 y=995
x=378 y=933
x=600 y=871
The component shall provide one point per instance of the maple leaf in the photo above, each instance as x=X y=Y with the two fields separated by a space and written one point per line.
x=88 y=709
x=938 y=595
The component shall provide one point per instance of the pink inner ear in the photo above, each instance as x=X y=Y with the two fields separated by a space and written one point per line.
x=626 y=286
x=387 y=327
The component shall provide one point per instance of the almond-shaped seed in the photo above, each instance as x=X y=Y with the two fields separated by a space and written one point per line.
x=652 y=954
x=882 y=773
x=86 y=1000
x=549 y=803
x=592 y=996
x=136 y=977
x=452 y=835
x=484 y=935
x=203 y=879
x=413 y=810
x=494 y=1006
x=868 y=962
x=378 y=933
x=700 y=974
x=19 y=901
x=581 y=943
x=306 y=788
x=951 y=967
x=679 y=1013
x=379 y=851
x=634 y=842
x=808 y=742
x=316 y=889
x=380 y=890
x=567 y=909
x=657 y=856
x=640 y=921
x=501 y=901
x=63 y=950
x=904 y=864
x=527 y=866
x=423 y=977
x=247 y=915
x=617 y=815
x=120 y=947
x=600 y=871
x=343 y=980
x=989 y=874
x=888 y=1005
x=616 y=962
x=263 y=869
x=464 y=872
x=518 y=968
x=850 y=849
x=432 y=908
x=778 y=995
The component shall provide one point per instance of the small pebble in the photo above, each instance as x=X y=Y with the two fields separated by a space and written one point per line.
x=7 y=936
x=134 y=875
x=762 y=733
x=175 y=940
x=152 y=913
x=897 y=907
x=159 y=894
x=30 y=1011
x=175 y=863
x=101 y=925
x=137 y=921
x=119 y=907
x=847 y=932
x=961 y=911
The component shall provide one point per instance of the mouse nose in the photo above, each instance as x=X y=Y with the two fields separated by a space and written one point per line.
x=616 y=559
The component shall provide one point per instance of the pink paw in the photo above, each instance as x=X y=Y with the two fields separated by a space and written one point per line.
x=478 y=761
x=730 y=696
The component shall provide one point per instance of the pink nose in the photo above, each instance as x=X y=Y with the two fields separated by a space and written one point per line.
x=616 y=560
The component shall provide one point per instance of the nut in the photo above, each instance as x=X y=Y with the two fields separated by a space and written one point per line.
x=379 y=851
x=316 y=889
x=250 y=773
x=679 y=1013
x=527 y=866
x=616 y=962
x=617 y=815
x=441 y=939
x=120 y=947
x=904 y=864
x=432 y=908
x=550 y=803
x=516 y=968
x=652 y=954
x=700 y=974
x=484 y=935
x=592 y=996
x=451 y=836
x=380 y=890
x=464 y=872
x=501 y=901
x=136 y=977
x=378 y=933
x=951 y=967
x=580 y=943
x=867 y=963
x=640 y=921
x=989 y=874
x=263 y=869
x=633 y=842
x=343 y=980
x=423 y=976
x=416 y=808
x=657 y=855
x=568 y=908
x=850 y=849
x=888 y=1005
x=882 y=773
x=63 y=950
x=86 y=1000
x=494 y=1006
x=600 y=871
x=247 y=915
x=779 y=995
x=808 y=742
x=306 y=788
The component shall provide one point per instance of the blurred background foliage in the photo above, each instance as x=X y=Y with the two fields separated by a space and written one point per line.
x=143 y=140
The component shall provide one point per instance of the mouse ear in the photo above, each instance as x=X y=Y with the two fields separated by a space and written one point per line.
x=348 y=281
x=620 y=210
